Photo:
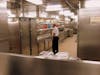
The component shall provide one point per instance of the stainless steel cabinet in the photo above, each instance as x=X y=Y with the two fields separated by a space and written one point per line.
x=46 y=44
x=44 y=37
x=50 y=43
x=41 y=45
x=89 y=34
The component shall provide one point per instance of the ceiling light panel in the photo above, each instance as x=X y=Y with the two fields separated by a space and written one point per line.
x=37 y=2
x=53 y=8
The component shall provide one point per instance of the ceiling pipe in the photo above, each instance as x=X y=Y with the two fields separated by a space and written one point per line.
x=68 y=3
x=72 y=8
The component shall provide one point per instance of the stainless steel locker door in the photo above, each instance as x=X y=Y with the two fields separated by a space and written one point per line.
x=14 y=30
x=89 y=34
x=33 y=36
x=24 y=30
x=4 y=33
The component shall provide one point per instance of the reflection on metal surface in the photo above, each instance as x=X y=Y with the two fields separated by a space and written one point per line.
x=92 y=62
x=25 y=65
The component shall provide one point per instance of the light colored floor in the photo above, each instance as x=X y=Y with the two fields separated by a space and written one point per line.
x=69 y=45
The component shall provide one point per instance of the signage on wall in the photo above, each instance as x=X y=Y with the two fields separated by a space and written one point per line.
x=95 y=20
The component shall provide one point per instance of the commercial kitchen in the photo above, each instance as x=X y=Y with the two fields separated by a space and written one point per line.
x=26 y=37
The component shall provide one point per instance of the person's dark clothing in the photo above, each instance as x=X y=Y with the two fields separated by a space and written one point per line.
x=55 y=44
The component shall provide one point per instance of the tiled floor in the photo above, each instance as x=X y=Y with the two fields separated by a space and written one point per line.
x=69 y=45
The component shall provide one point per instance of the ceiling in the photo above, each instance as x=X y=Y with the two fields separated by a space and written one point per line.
x=71 y=5
x=67 y=4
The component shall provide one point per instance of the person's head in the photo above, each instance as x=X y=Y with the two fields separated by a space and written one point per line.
x=54 y=25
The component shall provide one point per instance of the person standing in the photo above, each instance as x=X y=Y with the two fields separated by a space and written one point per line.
x=55 y=34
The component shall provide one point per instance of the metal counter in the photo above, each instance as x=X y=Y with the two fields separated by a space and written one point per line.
x=44 y=39
x=61 y=35
x=26 y=65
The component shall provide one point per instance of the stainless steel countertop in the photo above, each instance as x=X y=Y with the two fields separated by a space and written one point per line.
x=13 y=64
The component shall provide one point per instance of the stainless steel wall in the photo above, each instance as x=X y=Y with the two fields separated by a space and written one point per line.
x=89 y=34
x=25 y=65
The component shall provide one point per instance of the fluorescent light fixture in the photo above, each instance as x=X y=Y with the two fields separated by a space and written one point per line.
x=52 y=16
x=53 y=7
x=61 y=12
x=43 y=14
x=95 y=3
x=67 y=19
x=37 y=2
x=31 y=14
x=68 y=13
x=55 y=16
